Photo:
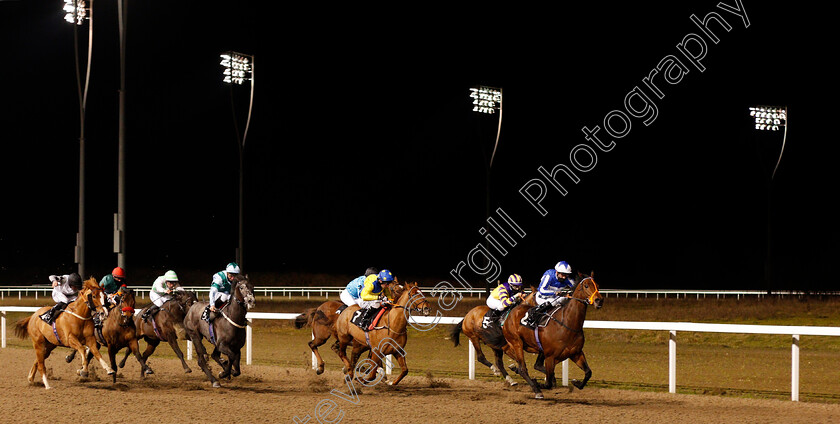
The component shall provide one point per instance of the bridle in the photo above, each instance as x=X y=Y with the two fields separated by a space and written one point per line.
x=591 y=299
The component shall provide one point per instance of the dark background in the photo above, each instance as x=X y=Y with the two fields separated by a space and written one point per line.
x=364 y=151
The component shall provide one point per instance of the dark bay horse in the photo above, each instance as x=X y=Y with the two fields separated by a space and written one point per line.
x=163 y=325
x=228 y=327
x=561 y=338
x=389 y=337
x=118 y=332
x=73 y=328
x=471 y=327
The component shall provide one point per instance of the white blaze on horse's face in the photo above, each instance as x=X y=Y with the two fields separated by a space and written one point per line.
x=247 y=296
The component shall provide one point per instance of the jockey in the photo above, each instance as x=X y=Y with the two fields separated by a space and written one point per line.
x=220 y=289
x=161 y=292
x=505 y=296
x=112 y=282
x=350 y=294
x=555 y=286
x=372 y=291
x=65 y=290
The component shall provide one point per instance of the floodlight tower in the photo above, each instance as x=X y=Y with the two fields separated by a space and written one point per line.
x=76 y=12
x=488 y=100
x=770 y=118
x=238 y=68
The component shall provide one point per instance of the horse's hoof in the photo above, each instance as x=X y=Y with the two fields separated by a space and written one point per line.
x=236 y=373
x=319 y=371
x=112 y=372
x=539 y=396
x=511 y=381
x=149 y=371
x=83 y=374
x=495 y=370
x=187 y=370
x=216 y=384
x=69 y=358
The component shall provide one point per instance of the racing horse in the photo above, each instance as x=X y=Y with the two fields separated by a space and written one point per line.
x=227 y=332
x=322 y=320
x=118 y=332
x=471 y=326
x=388 y=339
x=561 y=338
x=73 y=328
x=163 y=325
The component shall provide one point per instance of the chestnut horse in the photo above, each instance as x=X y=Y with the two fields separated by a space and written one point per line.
x=561 y=338
x=389 y=338
x=163 y=326
x=228 y=328
x=73 y=329
x=471 y=326
x=322 y=320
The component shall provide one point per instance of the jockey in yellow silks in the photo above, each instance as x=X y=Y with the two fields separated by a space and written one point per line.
x=372 y=290
x=505 y=295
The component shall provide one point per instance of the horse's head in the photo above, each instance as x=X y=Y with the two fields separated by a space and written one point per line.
x=126 y=305
x=530 y=298
x=93 y=296
x=587 y=289
x=243 y=292
x=413 y=299
x=184 y=299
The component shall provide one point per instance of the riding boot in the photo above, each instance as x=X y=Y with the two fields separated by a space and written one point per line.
x=367 y=317
x=205 y=315
x=533 y=316
x=494 y=316
x=150 y=312
x=50 y=316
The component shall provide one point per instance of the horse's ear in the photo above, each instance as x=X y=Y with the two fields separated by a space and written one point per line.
x=592 y=274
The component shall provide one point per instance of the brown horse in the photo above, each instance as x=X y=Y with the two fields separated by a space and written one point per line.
x=73 y=328
x=322 y=320
x=561 y=338
x=471 y=326
x=228 y=330
x=389 y=338
x=118 y=331
x=163 y=326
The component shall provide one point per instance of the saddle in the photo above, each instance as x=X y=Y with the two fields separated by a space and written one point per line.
x=369 y=321
x=340 y=309
x=542 y=319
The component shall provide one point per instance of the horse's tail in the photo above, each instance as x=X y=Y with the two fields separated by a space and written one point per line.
x=455 y=333
x=21 y=328
x=305 y=318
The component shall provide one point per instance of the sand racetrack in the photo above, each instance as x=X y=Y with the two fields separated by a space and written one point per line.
x=270 y=394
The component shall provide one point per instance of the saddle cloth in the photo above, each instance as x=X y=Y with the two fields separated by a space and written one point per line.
x=542 y=320
x=488 y=318
x=357 y=318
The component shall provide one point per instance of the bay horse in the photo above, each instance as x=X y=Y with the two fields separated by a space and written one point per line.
x=163 y=325
x=119 y=331
x=561 y=338
x=228 y=329
x=471 y=326
x=73 y=328
x=387 y=339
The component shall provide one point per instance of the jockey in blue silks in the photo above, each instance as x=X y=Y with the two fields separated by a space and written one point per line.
x=555 y=286
x=351 y=295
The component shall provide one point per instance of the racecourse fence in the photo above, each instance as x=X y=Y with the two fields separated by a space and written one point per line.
x=795 y=331
x=326 y=292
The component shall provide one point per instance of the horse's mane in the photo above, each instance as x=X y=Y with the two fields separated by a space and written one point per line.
x=91 y=283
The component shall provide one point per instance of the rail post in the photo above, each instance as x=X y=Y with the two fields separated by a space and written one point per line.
x=794 y=369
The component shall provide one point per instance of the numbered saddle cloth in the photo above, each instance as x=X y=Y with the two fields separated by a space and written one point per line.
x=359 y=320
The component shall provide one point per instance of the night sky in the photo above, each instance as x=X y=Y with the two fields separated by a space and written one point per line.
x=363 y=148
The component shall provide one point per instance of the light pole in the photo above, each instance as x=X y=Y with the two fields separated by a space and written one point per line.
x=770 y=118
x=488 y=100
x=239 y=68
x=119 y=218
x=76 y=11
